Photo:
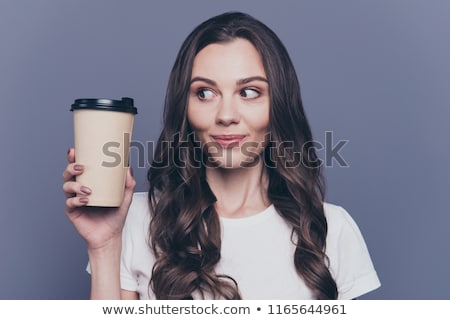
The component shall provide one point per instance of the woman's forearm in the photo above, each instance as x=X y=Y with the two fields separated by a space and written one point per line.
x=105 y=271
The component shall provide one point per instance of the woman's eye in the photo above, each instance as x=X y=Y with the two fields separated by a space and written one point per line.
x=205 y=94
x=249 y=93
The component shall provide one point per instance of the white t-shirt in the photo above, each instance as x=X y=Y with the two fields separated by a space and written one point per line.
x=257 y=252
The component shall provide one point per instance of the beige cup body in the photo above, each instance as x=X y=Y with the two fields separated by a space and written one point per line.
x=102 y=145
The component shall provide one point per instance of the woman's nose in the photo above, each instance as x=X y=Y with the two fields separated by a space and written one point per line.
x=227 y=112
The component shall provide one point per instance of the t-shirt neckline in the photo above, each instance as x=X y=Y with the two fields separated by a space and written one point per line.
x=254 y=218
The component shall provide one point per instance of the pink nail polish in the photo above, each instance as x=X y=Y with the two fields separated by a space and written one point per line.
x=85 y=190
x=84 y=200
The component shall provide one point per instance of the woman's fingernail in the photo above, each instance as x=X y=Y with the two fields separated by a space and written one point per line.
x=78 y=167
x=131 y=171
x=85 y=190
x=68 y=151
x=84 y=200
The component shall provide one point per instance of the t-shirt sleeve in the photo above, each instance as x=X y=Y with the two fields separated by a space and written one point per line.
x=350 y=261
x=128 y=276
x=127 y=280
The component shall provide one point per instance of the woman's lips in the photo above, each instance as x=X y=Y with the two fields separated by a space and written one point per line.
x=229 y=140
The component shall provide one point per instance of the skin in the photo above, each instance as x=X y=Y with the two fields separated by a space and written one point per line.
x=229 y=95
x=228 y=108
x=101 y=229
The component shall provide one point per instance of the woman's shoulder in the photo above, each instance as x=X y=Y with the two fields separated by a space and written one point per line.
x=343 y=231
x=341 y=226
x=333 y=209
x=338 y=217
x=350 y=261
x=140 y=199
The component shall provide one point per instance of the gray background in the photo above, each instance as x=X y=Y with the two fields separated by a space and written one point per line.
x=376 y=73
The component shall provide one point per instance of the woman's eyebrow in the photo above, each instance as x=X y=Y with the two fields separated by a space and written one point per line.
x=250 y=79
x=238 y=82
x=208 y=81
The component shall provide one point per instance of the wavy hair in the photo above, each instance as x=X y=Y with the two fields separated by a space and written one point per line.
x=185 y=228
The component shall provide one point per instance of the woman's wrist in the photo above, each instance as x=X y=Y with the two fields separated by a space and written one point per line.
x=110 y=247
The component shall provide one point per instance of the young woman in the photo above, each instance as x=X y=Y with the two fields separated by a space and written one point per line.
x=235 y=208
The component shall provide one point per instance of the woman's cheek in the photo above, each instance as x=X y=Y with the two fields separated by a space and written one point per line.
x=199 y=124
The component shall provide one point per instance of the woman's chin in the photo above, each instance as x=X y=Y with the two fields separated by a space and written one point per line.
x=233 y=163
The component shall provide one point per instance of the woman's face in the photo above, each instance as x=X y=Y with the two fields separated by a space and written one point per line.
x=228 y=105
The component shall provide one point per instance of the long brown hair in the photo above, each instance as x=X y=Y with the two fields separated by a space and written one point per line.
x=185 y=228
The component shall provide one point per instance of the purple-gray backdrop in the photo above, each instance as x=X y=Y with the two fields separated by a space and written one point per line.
x=375 y=73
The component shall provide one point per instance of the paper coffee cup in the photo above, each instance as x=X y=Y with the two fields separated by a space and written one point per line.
x=102 y=132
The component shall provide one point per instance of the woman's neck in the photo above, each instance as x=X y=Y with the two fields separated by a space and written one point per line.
x=240 y=192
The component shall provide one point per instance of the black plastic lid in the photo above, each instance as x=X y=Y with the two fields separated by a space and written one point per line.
x=124 y=105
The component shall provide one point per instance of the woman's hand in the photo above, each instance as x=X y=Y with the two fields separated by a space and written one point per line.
x=98 y=226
